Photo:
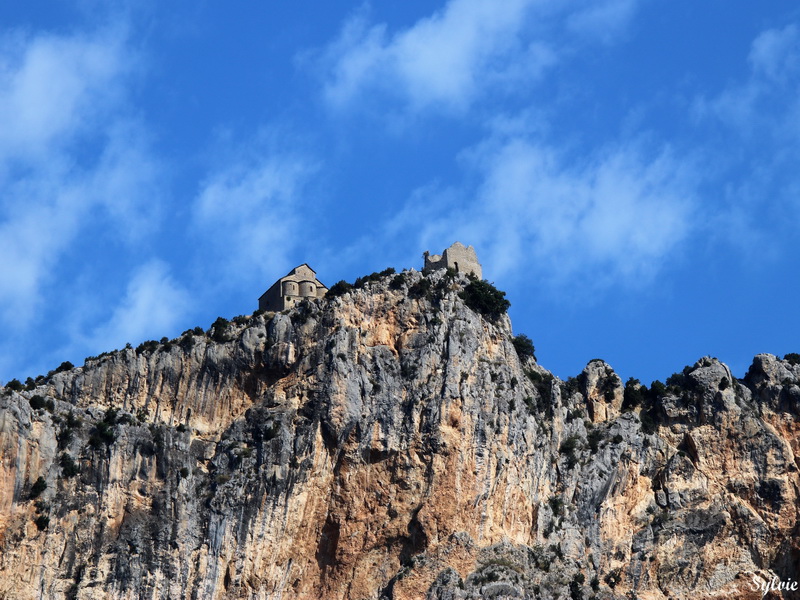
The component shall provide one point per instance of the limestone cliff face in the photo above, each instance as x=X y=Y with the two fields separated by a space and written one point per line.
x=389 y=443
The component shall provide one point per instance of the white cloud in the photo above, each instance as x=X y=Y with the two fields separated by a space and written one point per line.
x=613 y=218
x=768 y=100
x=775 y=53
x=252 y=215
x=464 y=51
x=443 y=60
x=756 y=122
x=41 y=219
x=52 y=88
x=153 y=305
x=69 y=157
x=603 y=20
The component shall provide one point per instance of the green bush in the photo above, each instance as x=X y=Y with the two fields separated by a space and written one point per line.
x=648 y=419
x=556 y=505
x=339 y=288
x=571 y=386
x=420 y=289
x=567 y=448
x=362 y=281
x=220 y=330
x=793 y=358
x=69 y=467
x=482 y=297
x=30 y=384
x=613 y=578
x=72 y=421
x=634 y=395
x=63 y=437
x=103 y=432
x=38 y=487
x=147 y=347
x=14 y=385
x=187 y=341
x=594 y=438
x=65 y=366
x=531 y=404
x=576 y=587
x=398 y=281
x=524 y=346
x=37 y=402
x=42 y=521
x=657 y=389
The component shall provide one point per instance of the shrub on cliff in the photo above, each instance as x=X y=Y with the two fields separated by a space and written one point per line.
x=42 y=522
x=14 y=385
x=398 y=281
x=37 y=402
x=482 y=297
x=69 y=467
x=339 y=288
x=420 y=289
x=635 y=395
x=148 y=346
x=362 y=281
x=38 y=487
x=793 y=358
x=567 y=448
x=524 y=346
x=220 y=330
x=103 y=432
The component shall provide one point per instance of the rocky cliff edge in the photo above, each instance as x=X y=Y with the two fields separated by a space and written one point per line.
x=390 y=443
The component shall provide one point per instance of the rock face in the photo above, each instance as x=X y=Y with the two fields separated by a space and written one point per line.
x=390 y=444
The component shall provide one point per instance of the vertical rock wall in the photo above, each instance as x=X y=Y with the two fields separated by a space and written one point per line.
x=391 y=444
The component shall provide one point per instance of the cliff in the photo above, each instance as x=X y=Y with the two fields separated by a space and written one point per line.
x=390 y=443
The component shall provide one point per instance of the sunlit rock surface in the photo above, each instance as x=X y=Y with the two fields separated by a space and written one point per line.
x=389 y=443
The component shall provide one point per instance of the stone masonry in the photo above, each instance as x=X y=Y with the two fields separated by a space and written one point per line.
x=458 y=257
x=301 y=282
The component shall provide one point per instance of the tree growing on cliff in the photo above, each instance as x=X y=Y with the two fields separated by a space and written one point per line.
x=524 y=347
x=482 y=297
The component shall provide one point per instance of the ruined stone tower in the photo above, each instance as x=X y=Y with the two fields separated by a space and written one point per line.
x=458 y=257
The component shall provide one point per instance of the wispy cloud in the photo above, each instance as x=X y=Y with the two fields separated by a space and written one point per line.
x=755 y=145
x=767 y=101
x=467 y=50
x=154 y=304
x=252 y=214
x=614 y=217
x=442 y=61
x=602 y=20
x=53 y=88
x=59 y=94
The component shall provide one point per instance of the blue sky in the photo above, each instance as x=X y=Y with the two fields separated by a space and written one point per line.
x=626 y=169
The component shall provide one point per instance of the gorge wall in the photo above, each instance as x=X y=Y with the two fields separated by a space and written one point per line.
x=390 y=443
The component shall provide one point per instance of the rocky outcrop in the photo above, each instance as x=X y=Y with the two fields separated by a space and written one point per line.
x=389 y=443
